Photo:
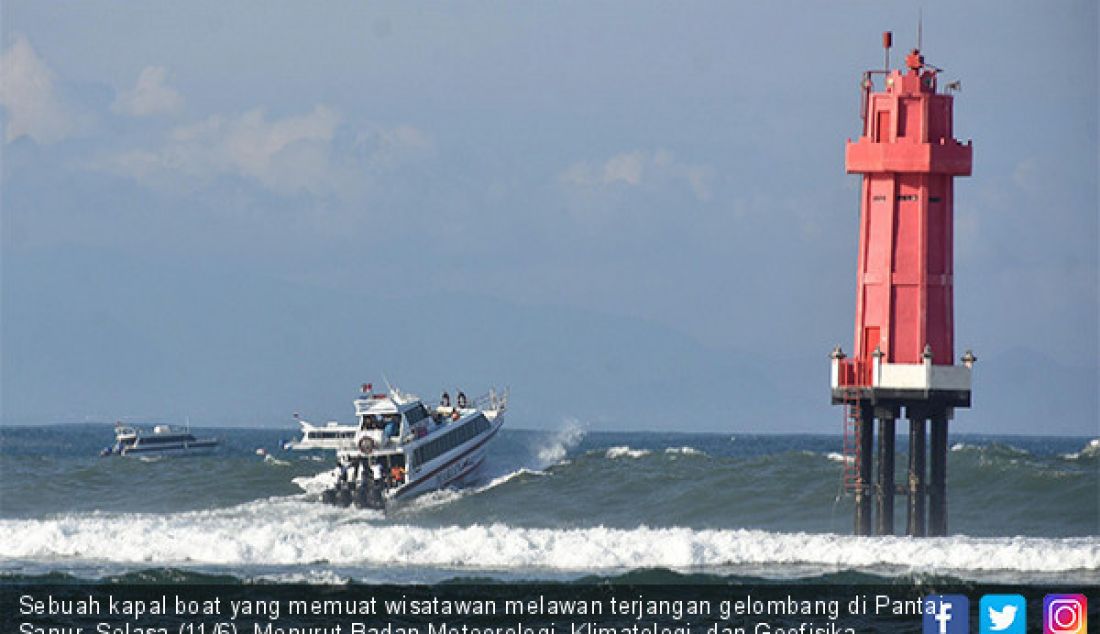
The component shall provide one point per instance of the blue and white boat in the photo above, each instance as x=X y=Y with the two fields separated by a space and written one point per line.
x=132 y=441
x=404 y=448
x=332 y=436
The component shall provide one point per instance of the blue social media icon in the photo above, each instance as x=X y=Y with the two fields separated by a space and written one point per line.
x=946 y=614
x=1003 y=614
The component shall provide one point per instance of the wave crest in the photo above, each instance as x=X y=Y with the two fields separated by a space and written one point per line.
x=685 y=451
x=624 y=451
x=285 y=531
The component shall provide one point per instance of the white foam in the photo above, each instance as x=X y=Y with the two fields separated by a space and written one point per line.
x=313 y=577
x=288 y=531
x=499 y=480
x=838 y=457
x=684 y=451
x=446 y=496
x=316 y=484
x=1092 y=448
x=624 y=451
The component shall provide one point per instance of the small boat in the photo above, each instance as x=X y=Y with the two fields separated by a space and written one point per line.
x=132 y=441
x=404 y=447
x=332 y=436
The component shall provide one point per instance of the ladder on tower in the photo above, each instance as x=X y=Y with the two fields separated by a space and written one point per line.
x=852 y=425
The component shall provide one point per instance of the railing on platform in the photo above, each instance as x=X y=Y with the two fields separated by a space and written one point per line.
x=854 y=373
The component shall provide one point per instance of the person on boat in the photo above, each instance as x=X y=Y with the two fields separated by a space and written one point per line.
x=461 y=399
x=398 y=474
x=445 y=400
x=375 y=471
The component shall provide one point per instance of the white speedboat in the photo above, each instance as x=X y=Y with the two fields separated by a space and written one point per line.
x=131 y=441
x=404 y=448
x=332 y=436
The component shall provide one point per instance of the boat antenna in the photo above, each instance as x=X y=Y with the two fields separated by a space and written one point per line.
x=389 y=388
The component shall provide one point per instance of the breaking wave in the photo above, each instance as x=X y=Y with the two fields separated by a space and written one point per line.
x=1091 y=450
x=625 y=452
x=290 y=531
x=685 y=451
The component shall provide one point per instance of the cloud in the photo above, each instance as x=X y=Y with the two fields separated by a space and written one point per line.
x=301 y=153
x=150 y=96
x=391 y=147
x=639 y=169
x=27 y=94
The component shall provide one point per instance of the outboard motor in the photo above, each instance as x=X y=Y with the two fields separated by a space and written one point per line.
x=369 y=496
x=343 y=496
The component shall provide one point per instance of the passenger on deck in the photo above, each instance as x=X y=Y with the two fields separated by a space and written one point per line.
x=375 y=472
x=398 y=474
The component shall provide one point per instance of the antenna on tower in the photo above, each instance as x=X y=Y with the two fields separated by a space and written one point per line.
x=920 y=29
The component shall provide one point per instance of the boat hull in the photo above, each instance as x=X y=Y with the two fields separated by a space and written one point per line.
x=187 y=448
x=452 y=472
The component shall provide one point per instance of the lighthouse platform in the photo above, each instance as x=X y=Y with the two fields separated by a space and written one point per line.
x=901 y=383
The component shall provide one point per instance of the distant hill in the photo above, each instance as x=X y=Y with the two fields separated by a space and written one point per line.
x=124 y=337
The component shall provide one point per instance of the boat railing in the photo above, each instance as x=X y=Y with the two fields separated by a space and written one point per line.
x=492 y=400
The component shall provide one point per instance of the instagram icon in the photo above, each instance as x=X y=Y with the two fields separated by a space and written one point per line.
x=1065 y=614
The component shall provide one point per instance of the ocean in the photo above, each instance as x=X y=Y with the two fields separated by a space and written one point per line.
x=558 y=505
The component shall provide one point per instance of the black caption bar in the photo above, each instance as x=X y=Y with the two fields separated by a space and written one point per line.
x=492 y=608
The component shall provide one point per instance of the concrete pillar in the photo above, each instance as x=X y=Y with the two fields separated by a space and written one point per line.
x=865 y=436
x=937 y=477
x=916 y=474
x=885 y=486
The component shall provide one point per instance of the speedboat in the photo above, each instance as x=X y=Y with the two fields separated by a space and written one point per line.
x=164 y=439
x=331 y=436
x=404 y=447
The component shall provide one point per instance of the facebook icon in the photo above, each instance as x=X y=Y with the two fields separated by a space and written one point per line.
x=946 y=614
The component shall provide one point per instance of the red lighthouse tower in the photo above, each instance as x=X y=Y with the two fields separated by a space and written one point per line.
x=904 y=342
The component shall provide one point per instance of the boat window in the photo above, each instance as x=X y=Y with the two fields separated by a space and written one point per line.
x=448 y=441
x=157 y=441
x=372 y=422
x=416 y=414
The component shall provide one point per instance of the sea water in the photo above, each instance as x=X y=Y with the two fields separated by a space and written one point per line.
x=552 y=505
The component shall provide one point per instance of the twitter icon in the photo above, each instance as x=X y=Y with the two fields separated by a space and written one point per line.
x=1002 y=613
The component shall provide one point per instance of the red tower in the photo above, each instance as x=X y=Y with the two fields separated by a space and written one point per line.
x=904 y=320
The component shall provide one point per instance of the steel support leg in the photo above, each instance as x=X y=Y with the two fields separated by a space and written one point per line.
x=937 y=493
x=916 y=475
x=865 y=437
x=885 y=486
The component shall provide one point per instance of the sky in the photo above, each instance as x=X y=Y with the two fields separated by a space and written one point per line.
x=634 y=215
